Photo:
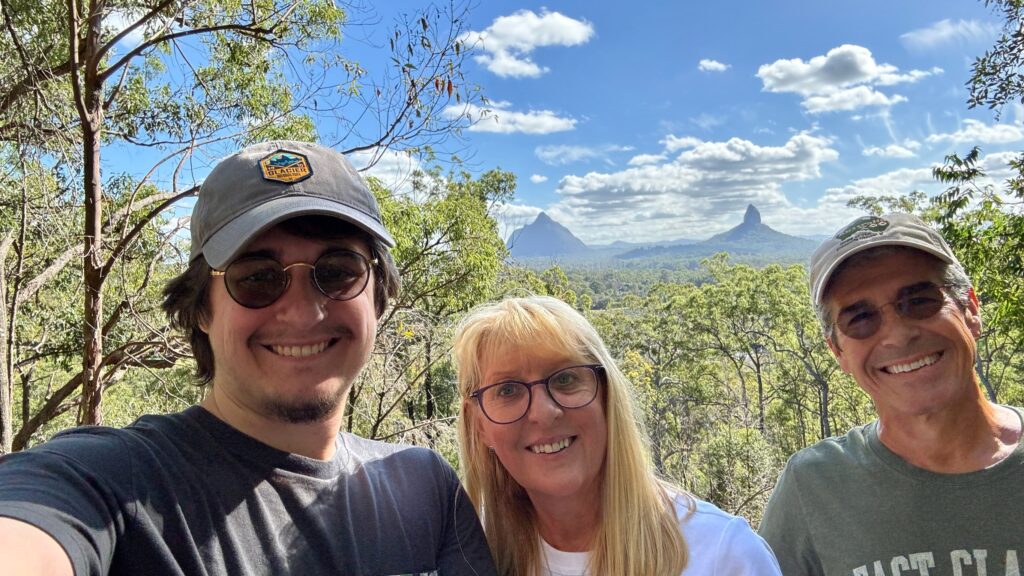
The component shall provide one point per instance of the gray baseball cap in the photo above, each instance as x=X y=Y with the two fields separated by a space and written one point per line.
x=265 y=184
x=870 y=232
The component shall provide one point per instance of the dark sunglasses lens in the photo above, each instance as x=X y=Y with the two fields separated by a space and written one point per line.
x=255 y=282
x=341 y=275
x=863 y=323
x=921 y=305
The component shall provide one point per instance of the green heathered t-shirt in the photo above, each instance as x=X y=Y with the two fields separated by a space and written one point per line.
x=848 y=506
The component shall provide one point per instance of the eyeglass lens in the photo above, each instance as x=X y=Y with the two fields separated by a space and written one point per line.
x=863 y=321
x=506 y=402
x=258 y=281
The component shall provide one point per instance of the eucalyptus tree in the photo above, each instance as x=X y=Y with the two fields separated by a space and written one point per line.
x=449 y=254
x=149 y=91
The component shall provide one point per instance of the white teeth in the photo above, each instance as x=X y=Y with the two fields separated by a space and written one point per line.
x=300 y=351
x=901 y=368
x=551 y=448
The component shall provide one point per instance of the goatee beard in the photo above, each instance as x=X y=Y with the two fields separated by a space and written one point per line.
x=306 y=412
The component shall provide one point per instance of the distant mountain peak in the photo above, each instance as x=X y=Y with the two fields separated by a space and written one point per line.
x=544 y=237
x=751 y=218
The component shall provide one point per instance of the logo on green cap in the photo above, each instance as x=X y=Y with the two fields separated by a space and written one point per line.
x=861 y=228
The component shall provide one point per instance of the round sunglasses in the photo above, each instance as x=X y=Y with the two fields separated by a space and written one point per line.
x=863 y=319
x=258 y=281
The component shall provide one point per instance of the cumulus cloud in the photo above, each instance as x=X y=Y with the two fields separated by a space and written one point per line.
x=392 y=168
x=703 y=190
x=508 y=43
x=949 y=32
x=904 y=150
x=538 y=178
x=645 y=159
x=844 y=79
x=676 y=143
x=977 y=132
x=561 y=154
x=499 y=119
x=706 y=65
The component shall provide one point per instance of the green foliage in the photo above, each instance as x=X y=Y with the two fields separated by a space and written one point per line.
x=996 y=77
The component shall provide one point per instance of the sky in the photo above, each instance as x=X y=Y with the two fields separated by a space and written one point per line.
x=655 y=121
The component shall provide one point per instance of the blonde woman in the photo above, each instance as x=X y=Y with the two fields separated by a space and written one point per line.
x=556 y=464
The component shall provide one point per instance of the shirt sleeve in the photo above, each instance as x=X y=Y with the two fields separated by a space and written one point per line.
x=465 y=549
x=57 y=488
x=744 y=553
x=784 y=527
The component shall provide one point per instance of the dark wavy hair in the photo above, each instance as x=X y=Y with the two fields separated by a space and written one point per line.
x=187 y=300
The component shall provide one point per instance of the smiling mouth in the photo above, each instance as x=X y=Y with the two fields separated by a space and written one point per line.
x=915 y=365
x=553 y=447
x=301 y=351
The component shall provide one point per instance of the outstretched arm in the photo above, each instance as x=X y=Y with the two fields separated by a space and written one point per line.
x=28 y=551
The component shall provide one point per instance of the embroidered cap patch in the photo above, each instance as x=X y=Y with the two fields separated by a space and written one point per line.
x=286 y=167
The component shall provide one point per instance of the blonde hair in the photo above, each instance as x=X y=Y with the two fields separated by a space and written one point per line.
x=639 y=530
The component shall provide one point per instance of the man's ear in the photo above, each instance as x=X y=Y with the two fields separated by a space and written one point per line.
x=972 y=314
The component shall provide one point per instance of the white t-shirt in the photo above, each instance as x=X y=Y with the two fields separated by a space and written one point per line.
x=719 y=544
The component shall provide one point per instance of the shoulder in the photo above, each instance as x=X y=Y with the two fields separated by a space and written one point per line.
x=721 y=543
x=833 y=454
x=394 y=461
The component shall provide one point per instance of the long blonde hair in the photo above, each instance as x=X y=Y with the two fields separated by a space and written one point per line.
x=639 y=531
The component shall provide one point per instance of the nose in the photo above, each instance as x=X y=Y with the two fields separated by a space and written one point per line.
x=896 y=330
x=302 y=303
x=542 y=406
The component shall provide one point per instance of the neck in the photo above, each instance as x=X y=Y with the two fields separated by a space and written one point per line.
x=568 y=524
x=956 y=441
x=311 y=439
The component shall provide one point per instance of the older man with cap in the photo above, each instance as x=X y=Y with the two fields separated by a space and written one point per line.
x=935 y=486
x=289 y=273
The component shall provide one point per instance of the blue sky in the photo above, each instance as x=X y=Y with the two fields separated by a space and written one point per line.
x=651 y=121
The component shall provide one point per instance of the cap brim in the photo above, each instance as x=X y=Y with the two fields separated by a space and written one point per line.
x=826 y=276
x=225 y=244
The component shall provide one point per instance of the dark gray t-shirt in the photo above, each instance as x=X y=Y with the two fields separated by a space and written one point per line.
x=187 y=494
x=849 y=506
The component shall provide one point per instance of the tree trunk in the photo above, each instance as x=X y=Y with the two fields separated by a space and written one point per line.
x=6 y=368
x=92 y=265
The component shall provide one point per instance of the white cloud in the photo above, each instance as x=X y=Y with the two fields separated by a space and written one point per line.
x=119 y=19
x=842 y=80
x=676 y=143
x=393 y=169
x=946 y=32
x=977 y=132
x=538 y=178
x=706 y=65
x=507 y=44
x=707 y=121
x=851 y=99
x=906 y=149
x=645 y=159
x=498 y=119
x=560 y=154
x=701 y=191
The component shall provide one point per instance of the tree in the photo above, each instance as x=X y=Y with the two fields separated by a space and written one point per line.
x=168 y=79
x=996 y=75
x=449 y=254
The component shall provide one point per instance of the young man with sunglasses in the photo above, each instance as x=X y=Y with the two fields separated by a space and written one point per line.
x=289 y=273
x=936 y=484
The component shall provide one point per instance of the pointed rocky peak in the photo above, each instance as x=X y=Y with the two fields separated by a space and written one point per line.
x=752 y=217
x=542 y=219
x=544 y=237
